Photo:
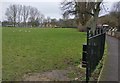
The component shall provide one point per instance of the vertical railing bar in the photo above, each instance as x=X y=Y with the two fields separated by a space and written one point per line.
x=87 y=63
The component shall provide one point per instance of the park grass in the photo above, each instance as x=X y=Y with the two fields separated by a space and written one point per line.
x=27 y=50
x=0 y=54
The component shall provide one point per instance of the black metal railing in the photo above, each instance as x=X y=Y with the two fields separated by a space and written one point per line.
x=93 y=50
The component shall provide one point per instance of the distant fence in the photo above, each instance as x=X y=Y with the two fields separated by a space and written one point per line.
x=114 y=33
x=93 y=50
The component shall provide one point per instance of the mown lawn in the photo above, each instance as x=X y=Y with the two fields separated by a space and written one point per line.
x=39 y=49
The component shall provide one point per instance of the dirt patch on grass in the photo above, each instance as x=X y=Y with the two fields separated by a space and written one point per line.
x=53 y=75
x=68 y=74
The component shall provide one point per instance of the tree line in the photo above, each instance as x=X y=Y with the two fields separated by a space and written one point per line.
x=28 y=16
x=86 y=14
x=21 y=14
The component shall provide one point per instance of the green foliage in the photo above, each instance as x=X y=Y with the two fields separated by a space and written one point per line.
x=26 y=50
x=0 y=54
x=72 y=75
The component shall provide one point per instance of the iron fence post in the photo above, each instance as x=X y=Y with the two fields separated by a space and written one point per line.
x=94 y=49
x=87 y=58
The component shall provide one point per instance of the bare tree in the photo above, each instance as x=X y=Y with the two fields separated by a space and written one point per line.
x=96 y=9
x=19 y=15
x=22 y=14
x=41 y=19
x=83 y=11
x=48 y=21
x=34 y=15
x=11 y=14
x=25 y=14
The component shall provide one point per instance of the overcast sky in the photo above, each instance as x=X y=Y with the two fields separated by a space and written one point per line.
x=49 y=8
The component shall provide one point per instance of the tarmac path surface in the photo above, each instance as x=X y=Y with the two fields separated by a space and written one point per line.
x=110 y=68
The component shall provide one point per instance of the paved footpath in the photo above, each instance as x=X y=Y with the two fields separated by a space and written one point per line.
x=110 y=69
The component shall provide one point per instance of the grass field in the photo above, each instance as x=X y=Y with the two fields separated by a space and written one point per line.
x=36 y=50
x=0 y=54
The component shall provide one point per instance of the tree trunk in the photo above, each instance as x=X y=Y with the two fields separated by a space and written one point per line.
x=95 y=19
x=13 y=24
x=81 y=27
